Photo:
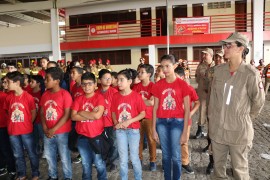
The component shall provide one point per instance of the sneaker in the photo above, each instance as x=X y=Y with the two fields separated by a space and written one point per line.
x=188 y=169
x=210 y=168
x=3 y=171
x=205 y=150
x=153 y=166
x=50 y=178
x=12 y=175
x=77 y=160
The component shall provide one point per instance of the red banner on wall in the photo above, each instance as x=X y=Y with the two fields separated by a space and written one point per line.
x=192 y=25
x=103 y=29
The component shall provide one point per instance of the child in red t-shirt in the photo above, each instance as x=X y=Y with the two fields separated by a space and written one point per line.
x=170 y=117
x=55 y=106
x=107 y=92
x=26 y=86
x=87 y=111
x=38 y=87
x=76 y=74
x=180 y=73
x=43 y=63
x=75 y=91
x=114 y=80
x=127 y=110
x=7 y=162
x=21 y=113
x=144 y=89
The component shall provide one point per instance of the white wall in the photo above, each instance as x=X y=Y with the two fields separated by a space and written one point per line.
x=26 y=39
x=266 y=55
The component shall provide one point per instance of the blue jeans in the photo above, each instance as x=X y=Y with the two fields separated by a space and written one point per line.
x=6 y=155
x=129 y=138
x=58 y=145
x=169 y=131
x=17 y=144
x=39 y=137
x=89 y=157
x=113 y=153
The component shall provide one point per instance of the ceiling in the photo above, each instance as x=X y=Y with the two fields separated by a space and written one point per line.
x=15 y=13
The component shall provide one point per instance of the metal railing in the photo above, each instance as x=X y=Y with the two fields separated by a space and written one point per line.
x=125 y=29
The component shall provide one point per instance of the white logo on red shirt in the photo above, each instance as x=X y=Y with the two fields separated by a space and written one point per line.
x=17 y=115
x=124 y=115
x=169 y=102
x=86 y=107
x=51 y=113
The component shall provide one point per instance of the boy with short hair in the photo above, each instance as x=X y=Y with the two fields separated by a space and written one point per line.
x=21 y=110
x=180 y=73
x=55 y=106
x=76 y=91
x=144 y=89
x=87 y=111
x=107 y=92
x=76 y=74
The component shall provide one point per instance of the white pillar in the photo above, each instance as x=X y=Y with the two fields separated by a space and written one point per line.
x=189 y=10
x=68 y=56
x=257 y=45
x=152 y=56
x=55 y=35
x=190 y=53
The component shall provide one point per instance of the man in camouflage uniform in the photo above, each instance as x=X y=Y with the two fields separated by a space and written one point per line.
x=200 y=75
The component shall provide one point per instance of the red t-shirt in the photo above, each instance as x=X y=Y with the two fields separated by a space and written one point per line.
x=107 y=115
x=192 y=97
x=127 y=107
x=71 y=83
x=54 y=105
x=146 y=92
x=42 y=73
x=76 y=91
x=27 y=89
x=37 y=97
x=3 y=113
x=19 y=113
x=89 y=128
x=171 y=98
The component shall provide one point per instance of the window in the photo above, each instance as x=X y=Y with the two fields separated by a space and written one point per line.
x=219 y=5
x=116 y=57
x=128 y=16
x=178 y=52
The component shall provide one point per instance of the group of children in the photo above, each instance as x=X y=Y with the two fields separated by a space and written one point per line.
x=110 y=121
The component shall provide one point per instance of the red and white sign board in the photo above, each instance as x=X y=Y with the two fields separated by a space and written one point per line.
x=103 y=29
x=191 y=25
x=62 y=12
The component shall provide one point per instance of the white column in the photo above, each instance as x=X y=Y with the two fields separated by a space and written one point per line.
x=68 y=56
x=257 y=45
x=190 y=53
x=152 y=56
x=189 y=10
x=55 y=35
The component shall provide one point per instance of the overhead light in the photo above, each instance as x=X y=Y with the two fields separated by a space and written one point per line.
x=61 y=23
